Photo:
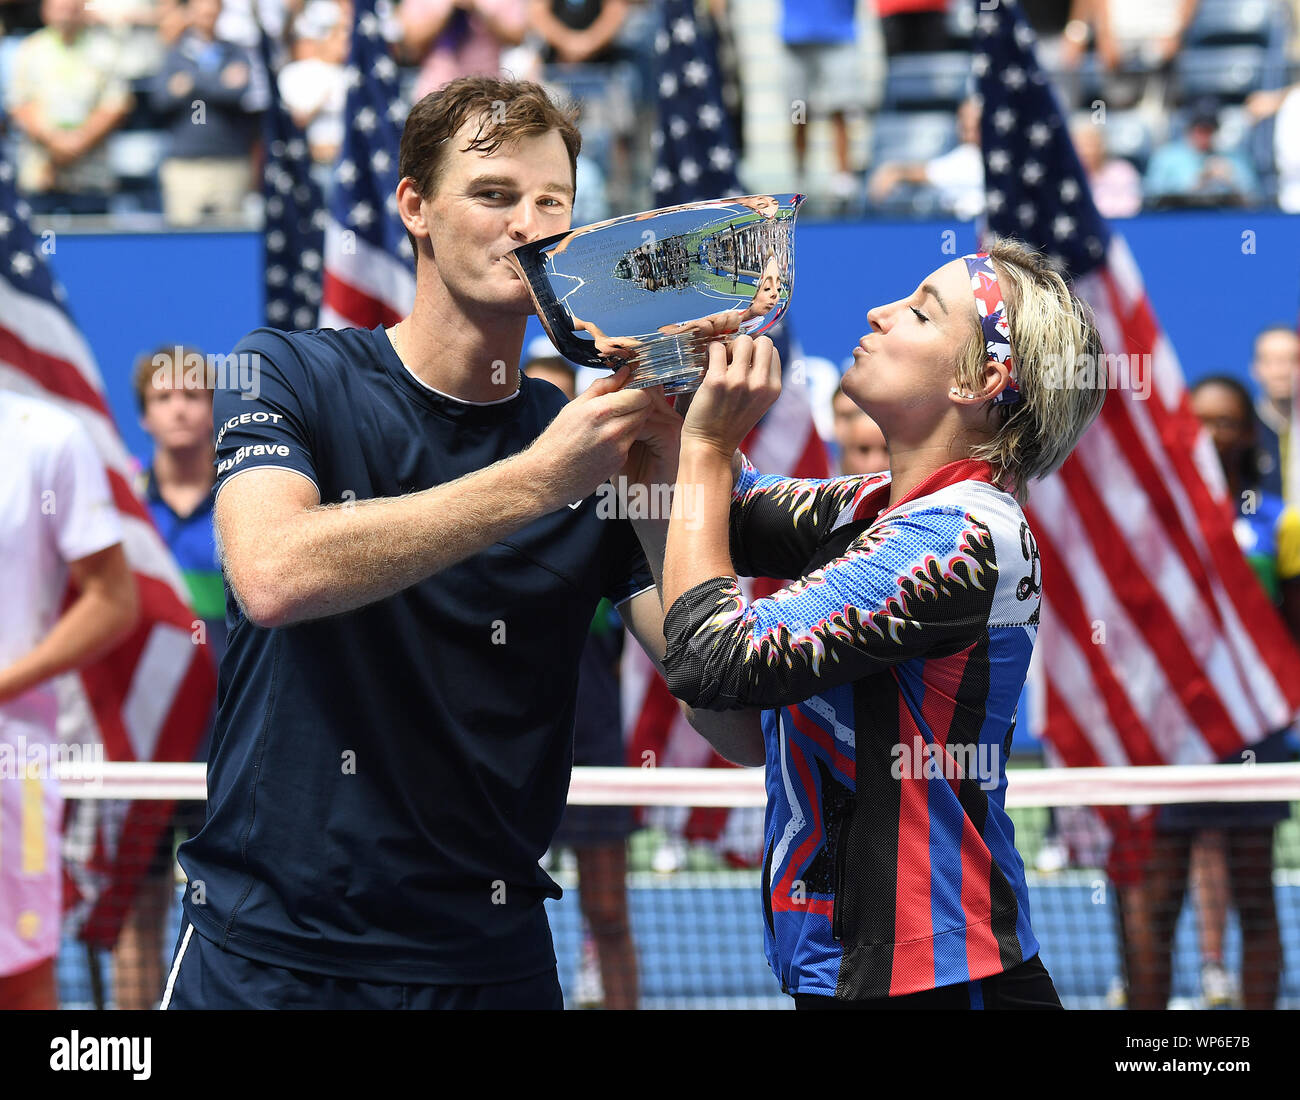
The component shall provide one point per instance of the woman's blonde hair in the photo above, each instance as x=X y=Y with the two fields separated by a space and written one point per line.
x=1058 y=363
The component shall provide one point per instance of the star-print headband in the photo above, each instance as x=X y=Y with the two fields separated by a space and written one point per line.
x=992 y=309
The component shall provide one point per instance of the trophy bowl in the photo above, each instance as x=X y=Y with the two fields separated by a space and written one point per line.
x=652 y=290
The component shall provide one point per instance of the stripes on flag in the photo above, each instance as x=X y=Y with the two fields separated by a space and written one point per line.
x=1157 y=644
x=696 y=160
x=294 y=231
x=150 y=698
x=369 y=264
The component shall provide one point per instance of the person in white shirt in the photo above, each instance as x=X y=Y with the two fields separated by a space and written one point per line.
x=1285 y=104
x=957 y=176
x=58 y=524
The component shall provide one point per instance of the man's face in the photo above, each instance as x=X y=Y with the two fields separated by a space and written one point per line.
x=62 y=14
x=1277 y=358
x=204 y=15
x=865 y=450
x=904 y=366
x=487 y=205
x=1201 y=137
x=178 y=419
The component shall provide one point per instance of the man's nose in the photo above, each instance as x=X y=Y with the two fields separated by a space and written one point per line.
x=524 y=223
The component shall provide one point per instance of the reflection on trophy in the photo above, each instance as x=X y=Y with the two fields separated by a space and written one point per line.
x=654 y=289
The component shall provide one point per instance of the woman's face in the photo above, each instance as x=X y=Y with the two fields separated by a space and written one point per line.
x=1230 y=425
x=905 y=364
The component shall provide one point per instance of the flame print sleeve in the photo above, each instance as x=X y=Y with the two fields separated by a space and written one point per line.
x=777 y=522
x=921 y=583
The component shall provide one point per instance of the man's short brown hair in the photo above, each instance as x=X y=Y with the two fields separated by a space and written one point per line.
x=506 y=111
x=172 y=366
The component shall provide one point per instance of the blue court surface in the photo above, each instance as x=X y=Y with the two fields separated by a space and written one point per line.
x=699 y=938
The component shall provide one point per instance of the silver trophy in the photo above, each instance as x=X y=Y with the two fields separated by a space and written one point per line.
x=652 y=290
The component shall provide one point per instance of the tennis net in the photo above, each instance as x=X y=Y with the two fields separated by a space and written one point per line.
x=1203 y=911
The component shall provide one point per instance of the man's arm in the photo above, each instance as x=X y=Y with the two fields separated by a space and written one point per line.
x=735 y=734
x=105 y=611
x=289 y=559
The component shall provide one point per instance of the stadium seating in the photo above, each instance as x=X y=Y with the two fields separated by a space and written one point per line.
x=1227 y=73
x=1236 y=23
x=134 y=156
x=1128 y=135
x=911 y=135
x=927 y=81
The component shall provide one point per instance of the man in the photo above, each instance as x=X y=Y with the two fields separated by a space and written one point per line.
x=173 y=391
x=1188 y=171
x=212 y=92
x=414 y=555
x=1273 y=368
x=66 y=98
x=57 y=521
x=824 y=73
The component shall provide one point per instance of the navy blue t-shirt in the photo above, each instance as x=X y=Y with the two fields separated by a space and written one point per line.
x=383 y=782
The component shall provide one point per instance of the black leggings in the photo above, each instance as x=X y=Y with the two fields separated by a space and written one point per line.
x=1026 y=986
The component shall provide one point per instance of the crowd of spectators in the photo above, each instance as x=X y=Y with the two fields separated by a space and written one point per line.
x=152 y=105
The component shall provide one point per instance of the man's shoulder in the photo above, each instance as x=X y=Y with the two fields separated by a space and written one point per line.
x=321 y=354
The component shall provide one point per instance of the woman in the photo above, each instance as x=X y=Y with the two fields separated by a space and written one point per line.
x=893 y=666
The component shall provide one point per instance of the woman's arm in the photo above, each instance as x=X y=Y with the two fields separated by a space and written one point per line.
x=915 y=585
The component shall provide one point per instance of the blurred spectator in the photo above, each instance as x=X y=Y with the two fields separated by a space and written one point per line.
x=1269 y=536
x=825 y=78
x=136 y=28
x=1274 y=367
x=1284 y=103
x=1115 y=184
x=173 y=390
x=844 y=411
x=912 y=26
x=242 y=21
x=212 y=92
x=1134 y=41
x=57 y=523
x=578 y=31
x=597 y=834
x=957 y=176
x=454 y=38
x=66 y=97
x=313 y=86
x=865 y=450
x=585 y=61
x=1188 y=172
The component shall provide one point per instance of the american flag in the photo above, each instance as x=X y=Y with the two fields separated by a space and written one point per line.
x=294 y=233
x=150 y=698
x=369 y=265
x=696 y=159
x=1157 y=644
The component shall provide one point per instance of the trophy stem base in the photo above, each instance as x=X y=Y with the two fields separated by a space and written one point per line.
x=675 y=362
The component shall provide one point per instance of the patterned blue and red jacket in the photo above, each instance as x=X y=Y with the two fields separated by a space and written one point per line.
x=889 y=674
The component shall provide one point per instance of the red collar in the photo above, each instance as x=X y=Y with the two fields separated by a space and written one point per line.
x=966 y=469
